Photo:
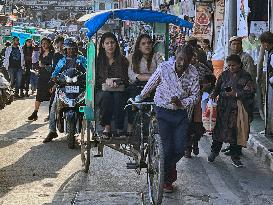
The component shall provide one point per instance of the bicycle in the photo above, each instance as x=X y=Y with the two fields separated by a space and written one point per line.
x=145 y=148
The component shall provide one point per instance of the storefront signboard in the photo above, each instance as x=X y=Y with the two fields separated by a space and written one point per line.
x=203 y=24
x=218 y=18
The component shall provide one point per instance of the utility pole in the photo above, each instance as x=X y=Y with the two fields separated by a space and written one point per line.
x=230 y=19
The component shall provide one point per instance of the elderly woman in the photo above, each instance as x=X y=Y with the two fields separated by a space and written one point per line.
x=236 y=91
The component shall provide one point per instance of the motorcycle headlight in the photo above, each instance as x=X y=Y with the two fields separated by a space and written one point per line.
x=68 y=79
x=75 y=79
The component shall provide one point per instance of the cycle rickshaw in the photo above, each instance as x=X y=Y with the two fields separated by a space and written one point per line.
x=148 y=154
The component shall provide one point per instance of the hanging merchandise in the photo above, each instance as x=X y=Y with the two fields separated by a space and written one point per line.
x=174 y=9
x=218 y=18
x=187 y=7
x=242 y=15
x=258 y=27
x=203 y=25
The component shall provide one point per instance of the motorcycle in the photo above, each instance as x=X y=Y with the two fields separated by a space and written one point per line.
x=70 y=96
x=6 y=93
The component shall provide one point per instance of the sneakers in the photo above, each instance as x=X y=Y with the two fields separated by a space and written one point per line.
x=237 y=162
x=212 y=157
x=195 y=149
x=226 y=149
x=33 y=116
x=187 y=153
x=22 y=95
x=168 y=188
x=50 y=137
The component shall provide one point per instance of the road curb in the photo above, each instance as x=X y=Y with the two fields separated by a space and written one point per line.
x=260 y=144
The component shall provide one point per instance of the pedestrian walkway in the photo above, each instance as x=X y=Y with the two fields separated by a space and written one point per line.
x=259 y=143
x=199 y=182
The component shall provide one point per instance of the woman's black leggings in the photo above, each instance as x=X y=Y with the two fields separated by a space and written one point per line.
x=112 y=108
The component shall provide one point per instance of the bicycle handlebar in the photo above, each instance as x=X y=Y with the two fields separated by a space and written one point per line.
x=132 y=102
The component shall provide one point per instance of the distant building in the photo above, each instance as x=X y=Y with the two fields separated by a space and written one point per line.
x=57 y=13
x=44 y=11
x=129 y=3
x=100 y=5
x=63 y=10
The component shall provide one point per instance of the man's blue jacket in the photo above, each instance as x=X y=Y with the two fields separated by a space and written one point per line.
x=62 y=62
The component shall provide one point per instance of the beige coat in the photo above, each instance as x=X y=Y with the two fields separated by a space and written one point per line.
x=248 y=64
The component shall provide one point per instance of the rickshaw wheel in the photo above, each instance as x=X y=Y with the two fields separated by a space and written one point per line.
x=155 y=170
x=85 y=145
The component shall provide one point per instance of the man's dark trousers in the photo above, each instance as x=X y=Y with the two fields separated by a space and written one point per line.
x=173 y=128
x=15 y=75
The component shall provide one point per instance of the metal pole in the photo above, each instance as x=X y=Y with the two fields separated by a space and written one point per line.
x=167 y=42
x=230 y=20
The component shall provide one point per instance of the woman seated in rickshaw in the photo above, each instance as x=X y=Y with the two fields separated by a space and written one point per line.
x=142 y=64
x=111 y=80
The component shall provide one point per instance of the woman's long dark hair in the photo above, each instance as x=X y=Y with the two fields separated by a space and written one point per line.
x=25 y=47
x=102 y=59
x=51 y=48
x=137 y=55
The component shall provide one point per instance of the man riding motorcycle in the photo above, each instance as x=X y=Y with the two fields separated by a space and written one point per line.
x=71 y=59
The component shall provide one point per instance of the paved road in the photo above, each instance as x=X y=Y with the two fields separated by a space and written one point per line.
x=199 y=182
x=31 y=172
x=35 y=173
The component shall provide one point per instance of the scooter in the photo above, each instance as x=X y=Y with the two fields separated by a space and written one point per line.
x=70 y=96
x=6 y=93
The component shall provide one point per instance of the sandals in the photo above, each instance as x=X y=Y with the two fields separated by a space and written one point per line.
x=106 y=135
x=124 y=134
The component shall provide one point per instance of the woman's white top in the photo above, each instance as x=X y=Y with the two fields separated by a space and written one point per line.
x=156 y=61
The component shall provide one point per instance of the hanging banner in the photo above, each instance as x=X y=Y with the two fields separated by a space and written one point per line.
x=258 y=27
x=242 y=13
x=218 y=18
x=187 y=8
x=203 y=25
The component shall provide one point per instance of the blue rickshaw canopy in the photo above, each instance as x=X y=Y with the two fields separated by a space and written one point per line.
x=96 y=20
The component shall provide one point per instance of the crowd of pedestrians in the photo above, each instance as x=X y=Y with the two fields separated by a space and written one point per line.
x=29 y=68
x=176 y=85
